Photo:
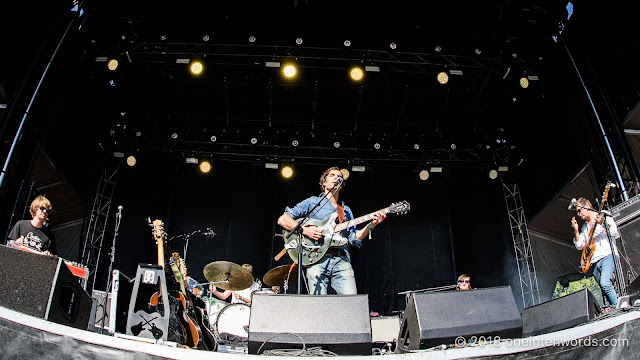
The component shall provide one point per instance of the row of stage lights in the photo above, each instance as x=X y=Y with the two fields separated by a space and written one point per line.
x=290 y=70
x=286 y=169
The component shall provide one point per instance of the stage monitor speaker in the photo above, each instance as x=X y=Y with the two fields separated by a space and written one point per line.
x=558 y=314
x=42 y=286
x=337 y=323
x=432 y=319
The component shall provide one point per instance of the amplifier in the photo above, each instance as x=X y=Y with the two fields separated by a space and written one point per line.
x=626 y=211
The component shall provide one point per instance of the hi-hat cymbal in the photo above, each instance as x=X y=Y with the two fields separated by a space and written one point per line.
x=228 y=276
x=278 y=275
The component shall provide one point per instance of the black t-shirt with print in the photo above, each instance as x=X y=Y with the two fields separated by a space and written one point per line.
x=41 y=239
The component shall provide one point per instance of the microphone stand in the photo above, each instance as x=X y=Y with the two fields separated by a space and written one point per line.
x=111 y=261
x=298 y=229
x=208 y=233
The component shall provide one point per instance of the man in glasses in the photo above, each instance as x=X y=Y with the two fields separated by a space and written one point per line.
x=602 y=260
x=464 y=282
x=32 y=233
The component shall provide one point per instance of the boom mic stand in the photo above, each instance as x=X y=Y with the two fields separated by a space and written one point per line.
x=298 y=228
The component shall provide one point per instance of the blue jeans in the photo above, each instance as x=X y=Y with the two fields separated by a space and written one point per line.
x=336 y=268
x=603 y=271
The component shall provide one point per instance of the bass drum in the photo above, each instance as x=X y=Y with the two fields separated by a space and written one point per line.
x=232 y=323
x=214 y=306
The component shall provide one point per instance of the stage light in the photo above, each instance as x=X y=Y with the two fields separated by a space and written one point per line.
x=443 y=77
x=503 y=168
x=454 y=146
x=493 y=174
x=214 y=138
x=295 y=143
x=376 y=146
x=196 y=67
x=191 y=160
x=345 y=174
x=524 y=82
x=299 y=41
x=424 y=175
x=205 y=166
x=336 y=144
x=118 y=154
x=252 y=39
x=393 y=46
x=272 y=166
x=358 y=168
x=289 y=71
x=138 y=133
x=436 y=169
x=416 y=146
x=205 y=38
x=163 y=37
x=287 y=171
x=347 y=43
x=478 y=51
x=131 y=160
x=112 y=64
x=437 y=49
x=174 y=136
x=356 y=73
x=254 y=141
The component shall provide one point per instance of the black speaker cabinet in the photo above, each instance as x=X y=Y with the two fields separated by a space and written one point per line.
x=42 y=286
x=432 y=319
x=338 y=323
x=558 y=314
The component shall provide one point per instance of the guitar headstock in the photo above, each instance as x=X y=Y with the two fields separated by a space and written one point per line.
x=605 y=194
x=400 y=208
x=157 y=228
x=182 y=266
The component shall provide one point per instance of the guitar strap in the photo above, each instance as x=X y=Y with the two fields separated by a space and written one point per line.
x=340 y=213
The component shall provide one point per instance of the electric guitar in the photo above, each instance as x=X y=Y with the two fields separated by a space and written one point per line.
x=179 y=268
x=589 y=249
x=176 y=331
x=313 y=251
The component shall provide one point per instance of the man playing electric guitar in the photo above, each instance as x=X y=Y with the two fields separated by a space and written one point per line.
x=602 y=260
x=335 y=265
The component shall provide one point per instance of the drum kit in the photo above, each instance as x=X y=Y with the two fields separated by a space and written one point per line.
x=231 y=321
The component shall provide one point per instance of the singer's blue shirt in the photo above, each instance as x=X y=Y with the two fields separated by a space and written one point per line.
x=321 y=212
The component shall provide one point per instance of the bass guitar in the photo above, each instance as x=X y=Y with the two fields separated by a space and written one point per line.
x=589 y=249
x=313 y=251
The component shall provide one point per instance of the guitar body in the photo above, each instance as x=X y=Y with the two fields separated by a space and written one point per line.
x=313 y=251
x=590 y=247
x=208 y=342
x=176 y=332
x=188 y=317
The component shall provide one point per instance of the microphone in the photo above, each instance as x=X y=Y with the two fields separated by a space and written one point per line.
x=209 y=233
x=572 y=206
x=119 y=212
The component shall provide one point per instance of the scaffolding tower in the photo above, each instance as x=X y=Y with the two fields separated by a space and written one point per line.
x=521 y=244
x=96 y=230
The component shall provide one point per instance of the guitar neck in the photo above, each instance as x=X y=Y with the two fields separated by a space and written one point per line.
x=360 y=220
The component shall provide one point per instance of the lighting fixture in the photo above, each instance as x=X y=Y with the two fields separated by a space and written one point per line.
x=424 y=175
x=205 y=166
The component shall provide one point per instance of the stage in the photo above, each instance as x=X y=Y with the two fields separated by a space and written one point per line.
x=615 y=334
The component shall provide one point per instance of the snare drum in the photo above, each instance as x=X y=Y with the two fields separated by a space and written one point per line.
x=233 y=320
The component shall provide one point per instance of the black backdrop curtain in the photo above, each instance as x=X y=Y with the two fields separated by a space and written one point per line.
x=457 y=223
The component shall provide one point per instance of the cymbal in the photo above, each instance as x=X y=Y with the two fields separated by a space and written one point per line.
x=228 y=276
x=278 y=275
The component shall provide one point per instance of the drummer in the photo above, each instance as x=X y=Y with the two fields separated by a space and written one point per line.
x=241 y=296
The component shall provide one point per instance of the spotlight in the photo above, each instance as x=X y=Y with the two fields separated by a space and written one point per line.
x=347 y=43
x=299 y=41
x=295 y=143
x=196 y=67
x=163 y=37
x=345 y=174
x=453 y=146
x=493 y=174
x=205 y=166
x=252 y=39
x=138 y=133
x=424 y=175
x=356 y=73
x=376 y=146
x=514 y=55
x=206 y=38
x=287 y=171
x=416 y=146
x=174 y=135
x=131 y=160
x=443 y=77
x=478 y=51
x=437 y=49
x=393 y=46
x=524 y=82
x=112 y=64
x=289 y=71
x=336 y=144
x=214 y=138
x=254 y=141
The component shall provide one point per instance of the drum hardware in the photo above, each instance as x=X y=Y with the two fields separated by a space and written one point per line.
x=228 y=275
x=281 y=275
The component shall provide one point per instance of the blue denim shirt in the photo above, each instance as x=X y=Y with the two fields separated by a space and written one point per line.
x=303 y=207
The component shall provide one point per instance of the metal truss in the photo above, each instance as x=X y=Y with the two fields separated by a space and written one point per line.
x=93 y=242
x=235 y=54
x=521 y=244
